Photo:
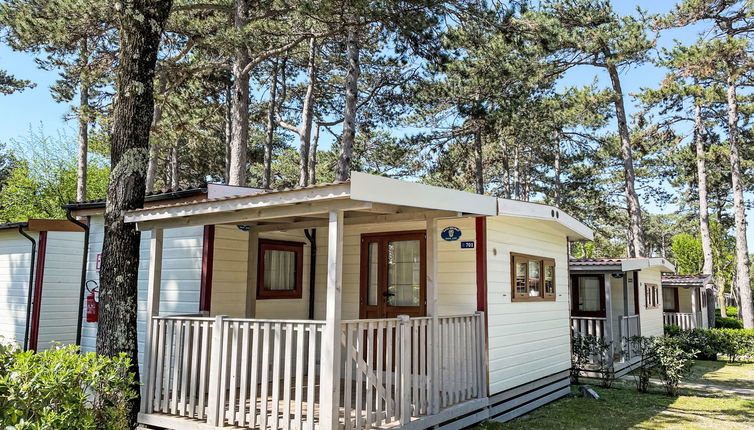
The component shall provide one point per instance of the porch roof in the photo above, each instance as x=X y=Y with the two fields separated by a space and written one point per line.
x=366 y=198
x=619 y=264
x=686 y=280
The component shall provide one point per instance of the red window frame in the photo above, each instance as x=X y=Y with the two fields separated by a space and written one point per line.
x=280 y=245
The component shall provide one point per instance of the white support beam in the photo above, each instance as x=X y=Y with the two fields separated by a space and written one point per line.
x=153 y=310
x=252 y=215
x=330 y=360
x=252 y=265
x=609 y=334
x=432 y=310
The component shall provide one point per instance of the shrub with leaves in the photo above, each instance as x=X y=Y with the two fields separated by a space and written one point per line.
x=581 y=353
x=62 y=389
x=673 y=362
x=644 y=348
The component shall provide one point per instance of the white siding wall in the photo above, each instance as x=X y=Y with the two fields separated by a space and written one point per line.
x=181 y=276
x=527 y=340
x=651 y=319
x=60 y=289
x=456 y=267
x=15 y=267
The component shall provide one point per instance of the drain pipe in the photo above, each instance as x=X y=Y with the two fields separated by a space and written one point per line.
x=31 y=284
x=84 y=263
x=311 y=235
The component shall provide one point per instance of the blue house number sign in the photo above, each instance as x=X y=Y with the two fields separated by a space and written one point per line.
x=451 y=234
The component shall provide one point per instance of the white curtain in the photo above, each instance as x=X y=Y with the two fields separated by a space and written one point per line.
x=404 y=273
x=279 y=270
x=589 y=294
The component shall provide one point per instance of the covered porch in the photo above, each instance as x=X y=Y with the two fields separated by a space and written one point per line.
x=685 y=300
x=413 y=356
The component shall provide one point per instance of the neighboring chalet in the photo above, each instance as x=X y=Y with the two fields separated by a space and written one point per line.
x=40 y=279
x=617 y=298
x=364 y=304
x=684 y=299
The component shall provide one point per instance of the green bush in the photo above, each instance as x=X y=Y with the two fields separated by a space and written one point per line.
x=62 y=389
x=730 y=312
x=673 y=330
x=673 y=362
x=708 y=343
x=644 y=348
x=590 y=349
x=721 y=322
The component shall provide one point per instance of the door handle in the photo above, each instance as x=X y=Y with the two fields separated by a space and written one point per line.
x=386 y=294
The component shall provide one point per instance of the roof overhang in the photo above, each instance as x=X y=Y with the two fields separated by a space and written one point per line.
x=697 y=281
x=365 y=198
x=625 y=265
x=35 y=224
x=574 y=229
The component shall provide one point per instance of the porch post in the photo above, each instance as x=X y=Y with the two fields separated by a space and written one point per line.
x=434 y=347
x=251 y=273
x=609 y=335
x=330 y=363
x=153 y=310
x=694 y=313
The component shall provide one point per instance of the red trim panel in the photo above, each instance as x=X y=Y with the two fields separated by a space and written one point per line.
x=481 y=264
x=36 y=307
x=208 y=256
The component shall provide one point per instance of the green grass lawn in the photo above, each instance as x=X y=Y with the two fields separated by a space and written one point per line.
x=623 y=407
x=737 y=375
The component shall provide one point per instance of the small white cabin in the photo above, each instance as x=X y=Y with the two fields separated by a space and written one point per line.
x=370 y=303
x=617 y=298
x=685 y=300
x=40 y=282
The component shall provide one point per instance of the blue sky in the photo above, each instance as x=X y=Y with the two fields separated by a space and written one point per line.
x=34 y=108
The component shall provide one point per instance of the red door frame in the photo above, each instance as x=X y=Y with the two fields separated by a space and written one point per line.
x=36 y=307
x=208 y=256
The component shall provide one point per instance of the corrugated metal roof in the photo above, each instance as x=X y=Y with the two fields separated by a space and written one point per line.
x=154 y=196
x=686 y=280
x=222 y=199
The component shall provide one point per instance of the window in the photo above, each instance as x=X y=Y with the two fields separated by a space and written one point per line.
x=533 y=278
x=588 y=298
x=651 y=296
x=670 y=299
x=279 y=270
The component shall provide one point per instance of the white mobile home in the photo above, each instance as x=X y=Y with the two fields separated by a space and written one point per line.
x=40 y=282
x=684 y=299
x=617 y=298
x=183 y=256
x=364 y=304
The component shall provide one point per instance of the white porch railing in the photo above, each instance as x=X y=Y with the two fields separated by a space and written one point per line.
x=594 y=326
x=389 y=365
x=264 y=374
x=683 y=320
x=236 y=372
x=629 y=326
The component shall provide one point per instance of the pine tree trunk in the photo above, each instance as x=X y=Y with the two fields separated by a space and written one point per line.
x=154 y=151
x=739 y=210
x=708 y=266
x=83 y=149
x=174 y=180
x=271 y=126
x=239 y=124
x=478 y=161
x=516 y=174
x=557 y=191
x=343 y=170
x=140 y=25
x=701 y=173
x=636 y=232
x=307 y=110
x=228 y=131
x=313 y=155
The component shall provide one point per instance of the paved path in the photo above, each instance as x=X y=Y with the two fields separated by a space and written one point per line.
x=702 y=387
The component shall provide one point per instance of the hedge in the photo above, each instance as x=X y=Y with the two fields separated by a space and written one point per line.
x=708 y=343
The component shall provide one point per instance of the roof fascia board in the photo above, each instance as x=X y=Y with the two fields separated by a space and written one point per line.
x=597 y=269
x=379 y=189
x=517 y=208
x=647 y=263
